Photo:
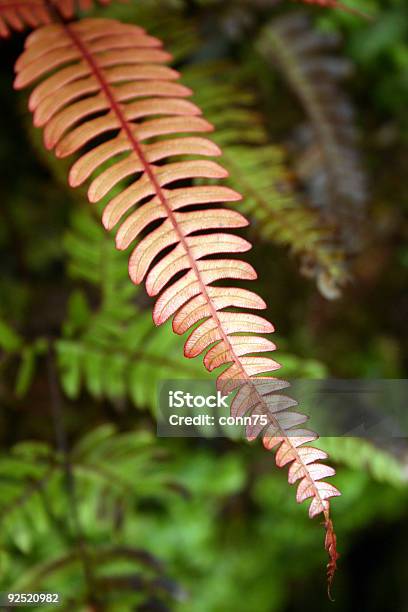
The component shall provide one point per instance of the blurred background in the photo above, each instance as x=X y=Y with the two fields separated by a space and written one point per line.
x=310 y=107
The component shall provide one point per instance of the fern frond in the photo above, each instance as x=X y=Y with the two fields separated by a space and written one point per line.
x=365 y=456
x=124 y=97
x=259 y=171
x=107 y=466
x=331 y=162
x=10 y=341
x=20 y=14
x=116 y=363
x=179 y=32
x=112 y=471
x=132 y=574
x=111 y=350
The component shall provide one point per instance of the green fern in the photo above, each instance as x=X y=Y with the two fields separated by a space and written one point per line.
x=112 y=351
x=363 y=455
x=109 y=472
x=260 y=172
x=107 y=466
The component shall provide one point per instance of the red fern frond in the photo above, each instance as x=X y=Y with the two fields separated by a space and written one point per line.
x=20 y=14
x=104 y=87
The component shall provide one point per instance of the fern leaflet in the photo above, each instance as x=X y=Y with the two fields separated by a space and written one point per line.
x=19 y=14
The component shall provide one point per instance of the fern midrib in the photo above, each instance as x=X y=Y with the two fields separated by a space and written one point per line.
x=116 y=108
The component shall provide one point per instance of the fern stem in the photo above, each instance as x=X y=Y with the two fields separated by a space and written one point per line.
x=57 y=415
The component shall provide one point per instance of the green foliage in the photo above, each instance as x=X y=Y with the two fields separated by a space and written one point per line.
x=188 y=508
x=364 y=456
x=113 y=350
x=10 y=341
x=26 y=370
x=63 y=517
x=106 y=466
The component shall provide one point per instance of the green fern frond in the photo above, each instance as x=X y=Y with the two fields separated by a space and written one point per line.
x=113 y=351
x=365 y=456
x=65 y=519
x=165 y=19
x=107 y=466
x=123 y=578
